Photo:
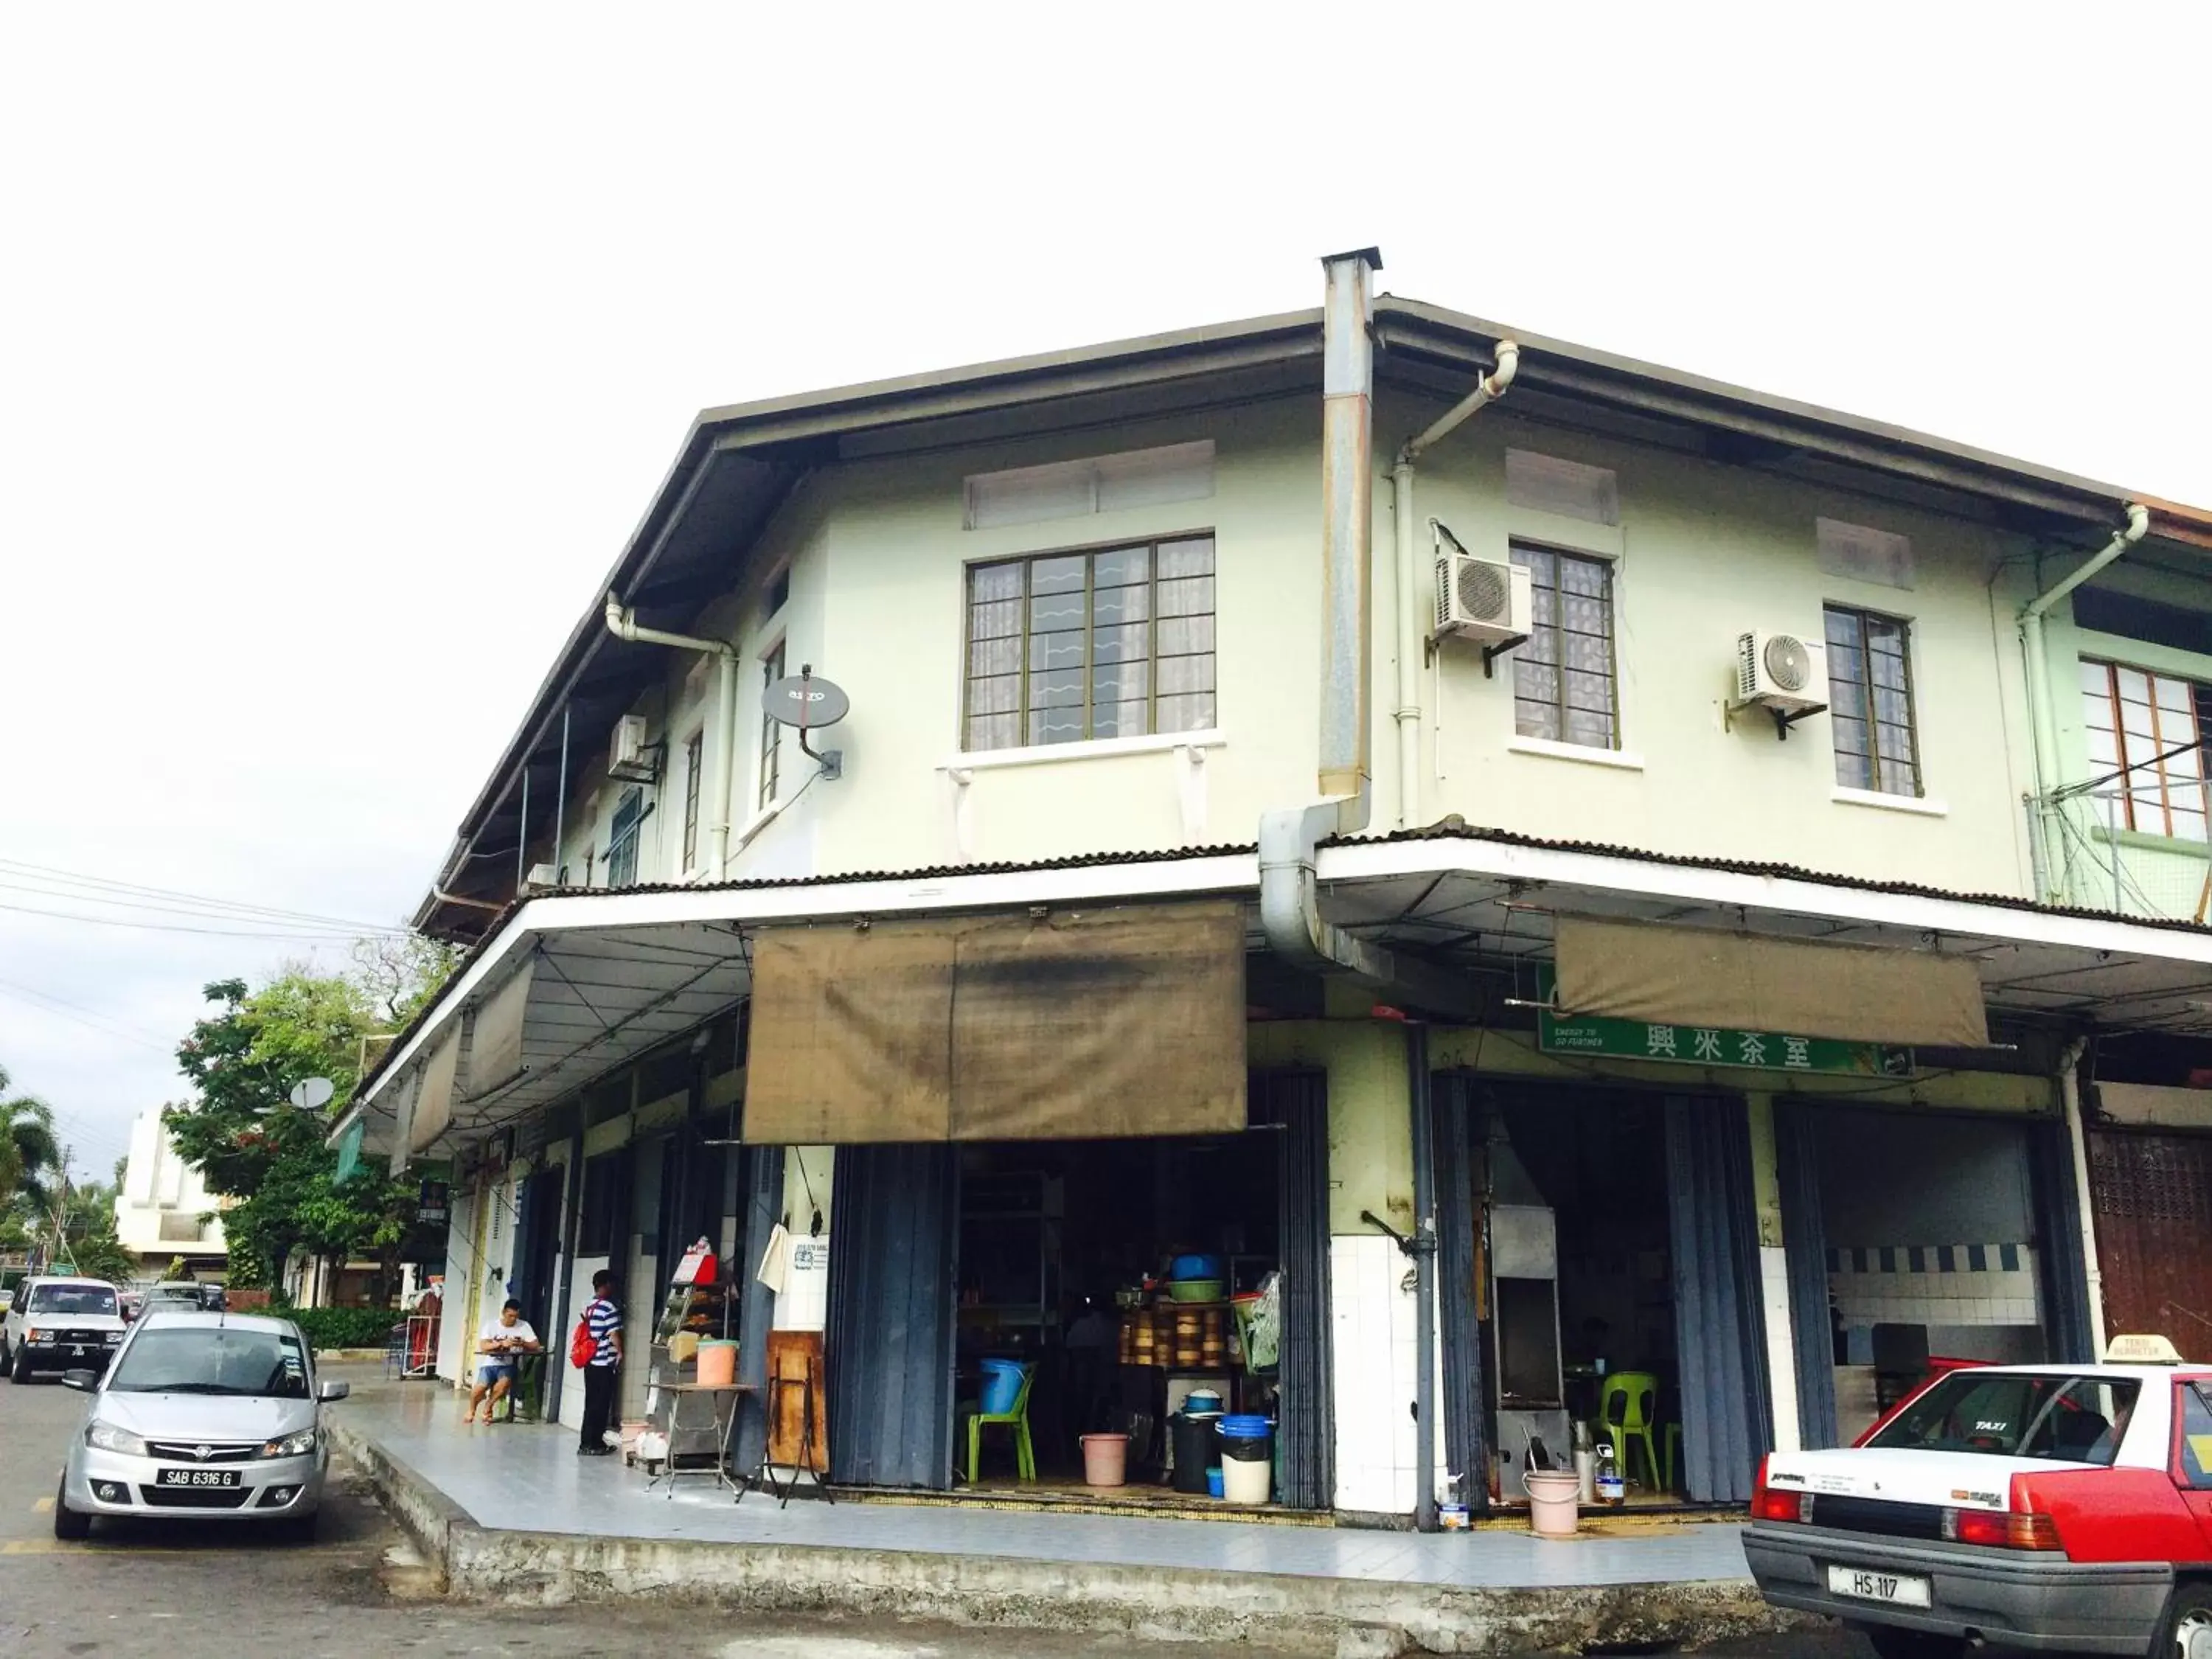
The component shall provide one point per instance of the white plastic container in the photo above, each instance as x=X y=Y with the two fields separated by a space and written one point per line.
x=1243 y=1482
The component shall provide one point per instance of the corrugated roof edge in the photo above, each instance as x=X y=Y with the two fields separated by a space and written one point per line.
x=1773 y=872
x=763 y=884
x=1433 y=832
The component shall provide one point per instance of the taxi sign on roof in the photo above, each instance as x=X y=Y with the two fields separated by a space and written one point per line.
x=2142 y=1350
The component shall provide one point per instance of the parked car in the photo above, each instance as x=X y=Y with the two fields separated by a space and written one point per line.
x=2053 y=1508
x=202 y=1416
x=57 y=1324
x=183 y=1293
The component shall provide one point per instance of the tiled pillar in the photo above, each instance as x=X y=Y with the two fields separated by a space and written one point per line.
x=1774 y=1275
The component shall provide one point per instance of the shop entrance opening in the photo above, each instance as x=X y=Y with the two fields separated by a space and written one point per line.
x=1121 y=1278
x=1601 y=1290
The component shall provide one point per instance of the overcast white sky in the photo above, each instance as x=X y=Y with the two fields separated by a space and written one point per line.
x=340 y=347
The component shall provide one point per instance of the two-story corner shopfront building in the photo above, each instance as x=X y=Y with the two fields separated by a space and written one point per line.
x=1362 y=793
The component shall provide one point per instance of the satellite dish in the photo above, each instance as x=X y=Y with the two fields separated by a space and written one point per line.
x=312 y=1094
x=805 y=699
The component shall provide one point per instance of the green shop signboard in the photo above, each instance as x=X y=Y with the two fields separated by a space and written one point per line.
x=1601 y=1037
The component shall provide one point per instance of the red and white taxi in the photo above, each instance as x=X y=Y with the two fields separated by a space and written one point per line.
x=2051 y=1508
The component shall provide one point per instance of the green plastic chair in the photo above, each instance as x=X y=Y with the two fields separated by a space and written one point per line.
x=1627 y=1408
x=1018 y=1420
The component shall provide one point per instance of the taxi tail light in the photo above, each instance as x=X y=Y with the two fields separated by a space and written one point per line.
x=2005 y=1529
x=1769 y=1504
x=2021 y=1527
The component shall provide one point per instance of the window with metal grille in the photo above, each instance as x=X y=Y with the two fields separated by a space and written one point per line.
x=1564 y=688
x=771 y=741
x=694 y=753
x=1117 y=643
x=622 y=842
x=2146 y=727
x=1870 y=702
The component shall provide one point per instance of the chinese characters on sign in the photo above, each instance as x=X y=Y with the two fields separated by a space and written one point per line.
x=1702 y=1045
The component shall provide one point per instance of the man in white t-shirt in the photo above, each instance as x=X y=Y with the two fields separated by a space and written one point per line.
x=498 y=1346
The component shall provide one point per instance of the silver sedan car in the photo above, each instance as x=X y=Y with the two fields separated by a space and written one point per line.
x=201 y=1416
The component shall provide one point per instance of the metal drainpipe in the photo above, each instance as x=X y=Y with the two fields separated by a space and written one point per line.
x=1424 y=1244
x=2069 y=1092
x=1407 y=525
x=624 y=625
x=2043 y=715
x=1290 y=914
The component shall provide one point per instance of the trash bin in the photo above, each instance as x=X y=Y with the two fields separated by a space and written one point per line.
x=1197 y=1449
x=1247 y=1458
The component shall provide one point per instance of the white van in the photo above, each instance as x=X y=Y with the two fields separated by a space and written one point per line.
x=60 y=1325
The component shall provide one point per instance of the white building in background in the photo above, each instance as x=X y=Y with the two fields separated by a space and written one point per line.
x=165 y=1210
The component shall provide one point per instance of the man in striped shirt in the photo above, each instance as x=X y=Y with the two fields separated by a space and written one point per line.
x=603 y=1321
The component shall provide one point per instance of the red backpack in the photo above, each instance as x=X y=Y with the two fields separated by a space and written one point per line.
x=583 y=1347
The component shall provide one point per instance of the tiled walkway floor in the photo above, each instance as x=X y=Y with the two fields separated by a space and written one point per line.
x=529 y=1478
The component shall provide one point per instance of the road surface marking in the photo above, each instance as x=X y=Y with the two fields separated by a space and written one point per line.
x=44 y=1506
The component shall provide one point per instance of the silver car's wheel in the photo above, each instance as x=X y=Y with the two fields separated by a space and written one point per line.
x=71 y=1525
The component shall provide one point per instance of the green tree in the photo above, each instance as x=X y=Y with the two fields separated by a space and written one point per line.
x=29 y=1155
x=243 y=1060
x=89 y=1237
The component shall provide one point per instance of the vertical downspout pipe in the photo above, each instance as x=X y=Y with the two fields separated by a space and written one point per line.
x=2043 y=714
x=624 y=625
x=1407 y=524
x=1289 y=915
x=561 y=798
x=2069 y=1092
x=1425 y=1276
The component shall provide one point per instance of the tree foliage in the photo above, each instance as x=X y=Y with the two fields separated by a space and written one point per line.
x=243 y=1059
x=89 y=1242
x=29 y=1155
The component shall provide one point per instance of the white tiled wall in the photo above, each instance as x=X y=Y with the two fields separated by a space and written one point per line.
x=1992 y=1297
x=1374 y=1350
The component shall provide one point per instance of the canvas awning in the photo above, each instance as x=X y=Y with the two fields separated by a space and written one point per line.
x=1069 y=1025
x=433 y=1098
x=1718 y=977
x=496 y=1034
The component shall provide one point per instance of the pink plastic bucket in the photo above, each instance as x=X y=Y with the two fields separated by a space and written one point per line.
x=1105 y=1459
x=1551 y=1495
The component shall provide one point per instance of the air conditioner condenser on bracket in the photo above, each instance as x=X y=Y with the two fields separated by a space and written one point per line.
x=1785 y=674
x=1487 y=601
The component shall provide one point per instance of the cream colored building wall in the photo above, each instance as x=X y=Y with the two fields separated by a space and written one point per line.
x=1704 y=552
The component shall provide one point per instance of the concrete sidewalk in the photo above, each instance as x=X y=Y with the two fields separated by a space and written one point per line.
x=513 y=1514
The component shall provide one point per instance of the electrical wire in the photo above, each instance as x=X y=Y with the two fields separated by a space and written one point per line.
x=323 y=937
x=238 y=907
x=90 y=1017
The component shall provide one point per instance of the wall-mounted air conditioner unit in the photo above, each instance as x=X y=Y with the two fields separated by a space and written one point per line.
x=1485 y=600
x=630 y=757
x=542 y=875
x=1785 y=674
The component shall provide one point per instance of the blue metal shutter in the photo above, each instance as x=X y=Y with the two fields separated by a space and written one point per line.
x=760 y=1190
x=1719 y=1334
x=1298 y=1101
x=2061 y=1276
x=1805 y=1245
x=891 y=1307
x=1466 y=1454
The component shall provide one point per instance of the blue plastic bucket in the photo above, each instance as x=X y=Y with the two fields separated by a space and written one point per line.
x=1002 y=1384
x=1241 y=1426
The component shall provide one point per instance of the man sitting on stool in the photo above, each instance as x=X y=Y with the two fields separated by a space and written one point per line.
x=497 y=1345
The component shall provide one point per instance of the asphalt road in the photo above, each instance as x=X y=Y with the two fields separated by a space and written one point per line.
x=168 y=1590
